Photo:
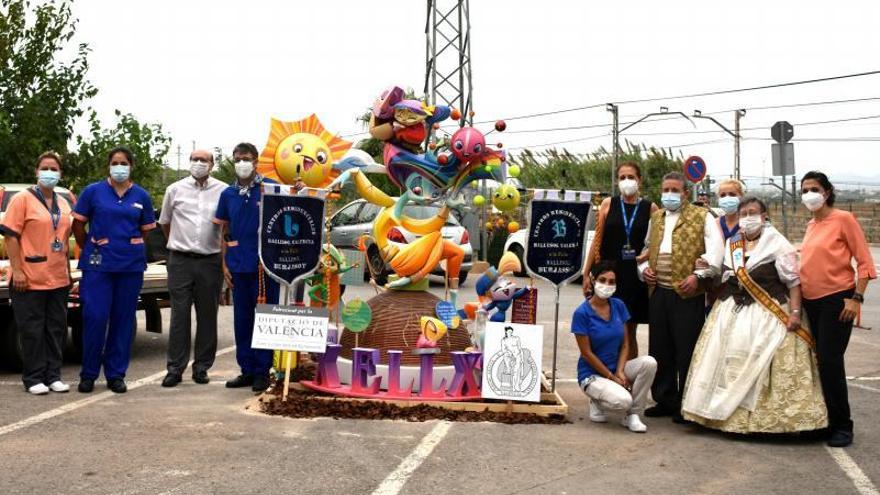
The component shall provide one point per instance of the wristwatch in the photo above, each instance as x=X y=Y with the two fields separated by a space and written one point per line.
x=859 y=298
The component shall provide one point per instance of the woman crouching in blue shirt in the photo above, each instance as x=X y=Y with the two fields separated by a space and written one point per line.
x=610 y=381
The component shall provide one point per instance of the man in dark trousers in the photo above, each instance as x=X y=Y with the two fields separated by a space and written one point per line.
x=679 y=235
x=238 y=214
x=195 y=275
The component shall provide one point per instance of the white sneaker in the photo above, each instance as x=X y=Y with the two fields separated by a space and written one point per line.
x=39 y=389
x=633 y=423
x=59 y=386
x=597 y=415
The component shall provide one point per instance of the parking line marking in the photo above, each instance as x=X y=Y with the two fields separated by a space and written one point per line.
x=864 y=387
x=863 y=484
x=394 y=482
x=73 y=406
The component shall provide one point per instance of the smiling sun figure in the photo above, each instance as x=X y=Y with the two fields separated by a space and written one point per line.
x=302 y=150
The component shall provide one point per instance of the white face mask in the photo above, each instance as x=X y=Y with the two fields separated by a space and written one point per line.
x=244 y=169
x=729 y=204
x=628 y=187
x=604 y=290
x=751 y=224
x=813 y=200
x=198 y=169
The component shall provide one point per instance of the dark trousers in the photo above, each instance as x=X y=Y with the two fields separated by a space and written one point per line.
x=41 y=316
x=109 y=308
x=832 y=337
x=675 y=325
x=193 y=281
x=245 y=289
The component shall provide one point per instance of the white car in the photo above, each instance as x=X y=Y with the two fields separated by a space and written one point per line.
x=356 y=219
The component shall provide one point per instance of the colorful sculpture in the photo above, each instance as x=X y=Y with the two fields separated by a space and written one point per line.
x=505 y=198
x=432 y=331
x=325 y=290
x=302 y=151
x=496 y=292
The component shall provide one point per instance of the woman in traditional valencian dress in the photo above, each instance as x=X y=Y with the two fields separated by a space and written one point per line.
x=753 y=369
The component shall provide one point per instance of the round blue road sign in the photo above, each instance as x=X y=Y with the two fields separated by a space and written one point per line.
x=694 y=169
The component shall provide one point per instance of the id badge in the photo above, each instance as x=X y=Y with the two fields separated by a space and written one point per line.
x=56 y=246
x=95 y=259
x=627 y=253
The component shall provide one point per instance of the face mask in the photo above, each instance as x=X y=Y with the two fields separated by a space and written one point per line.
x=244 y=169
x=120 y=173
x=628 y=187
x=199 y=170
x=813 y=200
x=751 y=224
x=49 y=178
x=604 y=290
x=671 y=200
x=729 y=204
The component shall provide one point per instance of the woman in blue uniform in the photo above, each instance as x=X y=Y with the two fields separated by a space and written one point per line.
x=118 y=213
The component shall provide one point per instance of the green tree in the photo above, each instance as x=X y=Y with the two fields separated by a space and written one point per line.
x=592 y=171
x=40 y=94
x=224 y=170
x=148 y=142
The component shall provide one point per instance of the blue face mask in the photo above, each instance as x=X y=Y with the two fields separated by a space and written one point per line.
x=729 y=204
x=120 y=173
x=48 y=178
x=671 y=200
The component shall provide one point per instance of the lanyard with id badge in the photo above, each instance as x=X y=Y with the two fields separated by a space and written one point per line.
x=55 y=214
x=627 y=253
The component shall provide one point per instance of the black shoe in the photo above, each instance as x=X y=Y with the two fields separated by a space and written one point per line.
x=658 y=411
x=171 y=380
x=86 y=385
x=261 y=383
x=201 y=377
x=117 y=385
x=240 y=381
x=840 y=438
x=678 y=419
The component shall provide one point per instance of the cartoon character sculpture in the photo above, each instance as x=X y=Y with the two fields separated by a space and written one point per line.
x=437 y=176
x=301 y=152
x=325 y=290
x=495 y=291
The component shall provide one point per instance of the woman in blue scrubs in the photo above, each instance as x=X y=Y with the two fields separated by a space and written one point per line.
x=118 y=213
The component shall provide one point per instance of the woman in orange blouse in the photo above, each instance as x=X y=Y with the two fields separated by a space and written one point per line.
x=37 y=230
x=833 y=292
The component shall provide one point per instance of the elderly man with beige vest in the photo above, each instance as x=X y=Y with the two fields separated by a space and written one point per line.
x=679 y=236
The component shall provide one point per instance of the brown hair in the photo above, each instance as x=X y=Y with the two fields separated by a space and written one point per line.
x=51 y=155
x=634 y=165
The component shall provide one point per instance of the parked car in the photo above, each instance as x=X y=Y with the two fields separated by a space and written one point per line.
x=356 y=219
x=516 y=242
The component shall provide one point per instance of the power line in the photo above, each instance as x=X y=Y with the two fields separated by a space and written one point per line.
x=693 y=95
x=795 y=105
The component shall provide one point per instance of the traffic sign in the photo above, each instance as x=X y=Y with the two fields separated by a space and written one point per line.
x=694 y=169
x=783 y=158
x=782 y=132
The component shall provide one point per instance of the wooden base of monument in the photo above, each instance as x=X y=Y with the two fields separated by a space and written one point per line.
x=552 y=405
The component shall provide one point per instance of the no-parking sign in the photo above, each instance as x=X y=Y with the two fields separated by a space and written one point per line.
x=694 y=169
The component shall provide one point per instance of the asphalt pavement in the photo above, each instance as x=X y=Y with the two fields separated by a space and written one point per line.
x=200 y=439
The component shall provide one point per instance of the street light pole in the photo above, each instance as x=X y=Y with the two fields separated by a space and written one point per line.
x=738 y=114
x=615 y=135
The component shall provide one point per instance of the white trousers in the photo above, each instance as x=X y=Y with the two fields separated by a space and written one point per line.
x=611 y=396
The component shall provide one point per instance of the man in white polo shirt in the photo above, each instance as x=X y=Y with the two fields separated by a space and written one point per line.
x=195 y=269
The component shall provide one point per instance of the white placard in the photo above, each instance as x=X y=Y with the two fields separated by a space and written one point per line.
x=512 y=361
x=290 y=328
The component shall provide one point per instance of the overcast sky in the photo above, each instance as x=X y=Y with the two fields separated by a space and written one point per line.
x=214 y=72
